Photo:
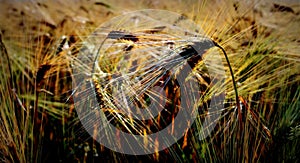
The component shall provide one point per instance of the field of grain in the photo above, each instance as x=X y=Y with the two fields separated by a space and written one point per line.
x=41 y=41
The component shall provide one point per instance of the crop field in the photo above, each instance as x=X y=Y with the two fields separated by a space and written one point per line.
x=160 y=81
